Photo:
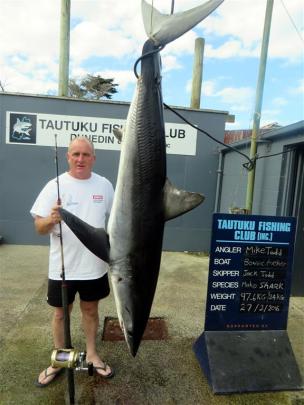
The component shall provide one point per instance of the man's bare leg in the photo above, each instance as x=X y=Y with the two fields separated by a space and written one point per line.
x=90 y=322
x=58 y=337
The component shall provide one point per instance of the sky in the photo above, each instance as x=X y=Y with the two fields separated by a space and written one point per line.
x=107 y=37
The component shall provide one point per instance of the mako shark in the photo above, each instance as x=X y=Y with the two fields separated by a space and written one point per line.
x=144 y=198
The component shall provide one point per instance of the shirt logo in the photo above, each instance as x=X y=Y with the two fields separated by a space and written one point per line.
x=69 y=200
x=97 y=198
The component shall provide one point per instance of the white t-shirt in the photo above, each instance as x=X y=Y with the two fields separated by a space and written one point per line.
x=90 y=200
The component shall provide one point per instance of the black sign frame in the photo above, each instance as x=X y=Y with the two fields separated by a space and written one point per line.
x=249 y=272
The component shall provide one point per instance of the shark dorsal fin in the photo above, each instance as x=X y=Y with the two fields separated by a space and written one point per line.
x=177 y=202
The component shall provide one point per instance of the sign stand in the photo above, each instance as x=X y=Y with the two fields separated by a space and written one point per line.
x=244 y=346
x=248 y=361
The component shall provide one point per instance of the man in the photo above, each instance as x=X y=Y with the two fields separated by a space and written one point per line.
x=88 y=196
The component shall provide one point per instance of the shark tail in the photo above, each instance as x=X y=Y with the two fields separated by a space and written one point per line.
x=165 y=28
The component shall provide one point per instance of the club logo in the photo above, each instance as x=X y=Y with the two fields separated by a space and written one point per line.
x=23 y=128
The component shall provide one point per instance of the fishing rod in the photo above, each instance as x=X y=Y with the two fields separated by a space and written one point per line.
x=64 y=295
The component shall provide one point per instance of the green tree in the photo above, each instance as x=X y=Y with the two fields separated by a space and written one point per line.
x=92 y=88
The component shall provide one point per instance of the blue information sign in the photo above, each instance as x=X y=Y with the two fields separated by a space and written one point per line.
x=249 y=272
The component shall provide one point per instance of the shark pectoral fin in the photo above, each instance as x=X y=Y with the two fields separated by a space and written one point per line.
x=95 y=239
x=118 y=134
x=178 y=202
x=165 y=28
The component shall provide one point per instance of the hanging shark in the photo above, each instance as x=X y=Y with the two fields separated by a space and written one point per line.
x=144 y=197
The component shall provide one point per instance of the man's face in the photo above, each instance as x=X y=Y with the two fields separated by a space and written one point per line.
x=81 y=159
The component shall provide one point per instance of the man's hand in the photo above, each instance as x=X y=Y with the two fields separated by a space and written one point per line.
x=55 y=216
x=44 y=225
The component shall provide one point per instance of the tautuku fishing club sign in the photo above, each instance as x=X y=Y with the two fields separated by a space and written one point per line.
x=39 y=129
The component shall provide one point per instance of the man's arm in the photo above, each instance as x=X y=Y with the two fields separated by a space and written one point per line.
x=44 y=225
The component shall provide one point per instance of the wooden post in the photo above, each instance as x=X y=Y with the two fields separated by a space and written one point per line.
x=197 y=73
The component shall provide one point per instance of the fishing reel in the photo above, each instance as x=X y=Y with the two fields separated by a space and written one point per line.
x=71 y=358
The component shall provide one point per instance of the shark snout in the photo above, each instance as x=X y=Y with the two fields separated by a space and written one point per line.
x=133 y=342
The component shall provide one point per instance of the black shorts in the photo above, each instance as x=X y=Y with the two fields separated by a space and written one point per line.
x=89 y=290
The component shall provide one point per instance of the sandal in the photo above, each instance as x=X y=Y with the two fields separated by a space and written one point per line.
x=104 y=368
x=46 y=375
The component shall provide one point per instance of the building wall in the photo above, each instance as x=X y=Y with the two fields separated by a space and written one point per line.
x=268 y=173
x=25 y=168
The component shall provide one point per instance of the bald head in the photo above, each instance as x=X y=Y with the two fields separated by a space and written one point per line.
x=82 y=139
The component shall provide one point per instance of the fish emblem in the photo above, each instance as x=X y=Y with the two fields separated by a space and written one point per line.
x=22 y=128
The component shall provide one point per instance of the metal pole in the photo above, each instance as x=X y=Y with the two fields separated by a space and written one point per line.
x=219 y=180
x=197 y=73
x=172 y=6
x=64 y=48
x=258 y=104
